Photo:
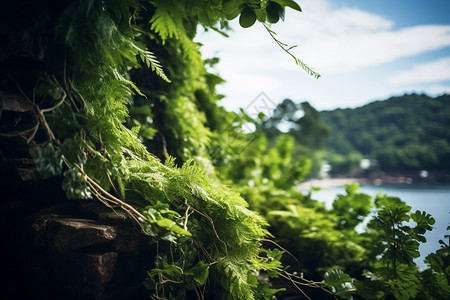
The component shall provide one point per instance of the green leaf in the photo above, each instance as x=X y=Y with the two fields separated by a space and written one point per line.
x=166 y=223
x=171 y=270
x=73 y=184
x=148 y=132
x=141 y=110
x=350 y=189
x=247 y=18
x=151 y=229
x=178 y=229
x=231 y=6
x=339 y=283
x=274 y=12
x=73 y=152
x=423 y=220
x=154 y=215
x=47 y=87
x=292 y=4
x=200 y=272
x=149 y=283
x=275 y=253
x=336 y=277
x=48 y=162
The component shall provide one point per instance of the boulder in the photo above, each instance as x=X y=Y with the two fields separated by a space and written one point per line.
x=72 y=256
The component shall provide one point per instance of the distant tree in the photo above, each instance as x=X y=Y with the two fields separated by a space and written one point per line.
x=302 y=121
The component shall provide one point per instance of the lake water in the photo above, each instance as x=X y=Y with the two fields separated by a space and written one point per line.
x=434 y=198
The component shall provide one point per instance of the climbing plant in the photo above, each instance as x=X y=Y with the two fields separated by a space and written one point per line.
x=124 y=111
x=85 y=68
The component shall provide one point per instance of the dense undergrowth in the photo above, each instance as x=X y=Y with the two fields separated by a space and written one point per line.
x=129 y=117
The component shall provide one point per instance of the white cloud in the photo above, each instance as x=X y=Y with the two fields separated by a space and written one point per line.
x=341 y=43
x=245 y=82
x=434 y=71
x=345 y=53
x=338 y=40
x=333 y=40
x=437 y=89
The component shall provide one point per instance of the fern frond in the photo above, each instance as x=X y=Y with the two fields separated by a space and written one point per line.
x=170 y=162
x=236 y=273
x=151 y=61
x=122 y=79
x=154 y=63
x=191 y=51
x=163 y=24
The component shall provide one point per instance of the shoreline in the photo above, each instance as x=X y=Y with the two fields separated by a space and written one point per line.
x=330 y=182
x=335 y=182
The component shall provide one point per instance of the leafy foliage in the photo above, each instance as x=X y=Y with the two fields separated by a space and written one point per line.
x=101 y=57
x=303 y=123
x=395 y=274
x=48 y=162
x=436 y=279
x=351 y=209
x=130 y=117
x=325 y=244
x=340 y=283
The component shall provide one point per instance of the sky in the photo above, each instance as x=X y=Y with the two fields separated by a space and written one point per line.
x=365 y=50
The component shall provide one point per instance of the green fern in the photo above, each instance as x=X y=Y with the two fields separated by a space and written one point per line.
x=202 y=228
x=151 y=61
x=163 y=23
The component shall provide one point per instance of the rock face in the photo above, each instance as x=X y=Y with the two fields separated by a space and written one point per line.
x=53 y=248
x=80 y=250
x=88 y=258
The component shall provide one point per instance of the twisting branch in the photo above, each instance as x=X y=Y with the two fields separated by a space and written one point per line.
x=212 y=224
x=285 y=47
x=39 y=112
x=296 y=286
x=110 y=200
x=23 y=133
x=296 y=280
x=61 y=101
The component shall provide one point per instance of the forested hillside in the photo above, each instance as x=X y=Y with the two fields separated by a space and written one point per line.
x=410 y=132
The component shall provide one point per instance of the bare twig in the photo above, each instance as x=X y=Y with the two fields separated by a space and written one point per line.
x=296 y=286
x=61 y=101
x=114 y=188
x=111 y=199
x=23 y=133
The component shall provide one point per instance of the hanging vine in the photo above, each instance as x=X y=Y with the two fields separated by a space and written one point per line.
x=100 y=60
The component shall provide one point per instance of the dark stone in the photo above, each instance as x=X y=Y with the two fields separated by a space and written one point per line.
x=78 y=258
x=127 y=240
x=65 y=234
x=71 y=250
x=84 y=276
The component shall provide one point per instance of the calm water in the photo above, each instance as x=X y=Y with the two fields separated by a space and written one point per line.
x=434 y=198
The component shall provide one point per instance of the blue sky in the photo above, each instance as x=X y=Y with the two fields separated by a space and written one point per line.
x=364 y=50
